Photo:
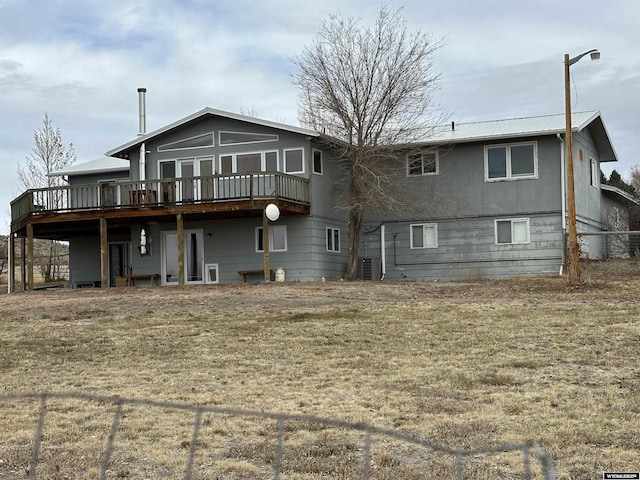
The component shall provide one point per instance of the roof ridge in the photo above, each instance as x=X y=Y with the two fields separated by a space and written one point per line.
x=525 y=117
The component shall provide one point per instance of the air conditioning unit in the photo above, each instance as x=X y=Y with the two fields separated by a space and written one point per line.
x=369 y=268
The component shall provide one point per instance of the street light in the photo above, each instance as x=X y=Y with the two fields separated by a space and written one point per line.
x=574 y=251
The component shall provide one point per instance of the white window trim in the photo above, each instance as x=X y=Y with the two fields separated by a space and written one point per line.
x=336 y=248
x=196 y=163
x=313 y=162
x=271 y=249
x=207 y=268
x=263 y=160
x=594 y=172
x=424 y=239
x=247 y=133
x=509 y=176
x=213 y=143
x=423 y=174
x=284 y=159
x=512 y=220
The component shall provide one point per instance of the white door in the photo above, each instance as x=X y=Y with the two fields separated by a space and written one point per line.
x=193 y=258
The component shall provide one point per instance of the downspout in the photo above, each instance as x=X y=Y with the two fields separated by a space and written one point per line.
x=383 y=258
x=142 y=124
x=563 y=199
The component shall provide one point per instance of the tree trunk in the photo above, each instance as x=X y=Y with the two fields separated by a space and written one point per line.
x=355 y=226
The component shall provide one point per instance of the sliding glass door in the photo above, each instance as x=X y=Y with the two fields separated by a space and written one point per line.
x=193 y=258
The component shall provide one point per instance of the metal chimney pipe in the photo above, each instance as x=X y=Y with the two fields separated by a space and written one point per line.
x=142 y=109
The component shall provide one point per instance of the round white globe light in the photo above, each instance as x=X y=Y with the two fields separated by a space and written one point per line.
x=272 y=211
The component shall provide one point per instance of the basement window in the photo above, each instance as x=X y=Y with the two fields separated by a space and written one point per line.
x=513 y=231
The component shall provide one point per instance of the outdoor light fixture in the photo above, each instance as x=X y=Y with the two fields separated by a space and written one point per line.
x=573 y=247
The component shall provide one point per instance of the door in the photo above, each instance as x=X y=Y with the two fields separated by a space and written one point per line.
x=187 y=185
x=118 y=261
x=193 y=258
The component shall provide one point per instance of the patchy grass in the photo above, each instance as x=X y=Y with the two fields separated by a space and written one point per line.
x=469 y=365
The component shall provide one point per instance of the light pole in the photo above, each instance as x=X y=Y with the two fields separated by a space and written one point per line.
x=574 y=251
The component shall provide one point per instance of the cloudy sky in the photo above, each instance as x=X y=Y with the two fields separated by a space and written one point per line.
x=82 y=62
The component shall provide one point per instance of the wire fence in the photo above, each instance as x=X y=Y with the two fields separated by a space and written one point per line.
x=367 y=459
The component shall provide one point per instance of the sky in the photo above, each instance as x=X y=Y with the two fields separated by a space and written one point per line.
x=82 y=62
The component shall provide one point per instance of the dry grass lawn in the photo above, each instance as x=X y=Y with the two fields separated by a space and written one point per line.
x=464 y=365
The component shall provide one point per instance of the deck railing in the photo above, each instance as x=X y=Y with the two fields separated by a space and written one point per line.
x=150 y=193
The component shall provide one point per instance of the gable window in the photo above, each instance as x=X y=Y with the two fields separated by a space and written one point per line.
x=333 y=240
x=595 y=172
x=317 y=162
x=294 y=161
x=513 y=231
x=422 y=164
x=510 y=162
x=200 y=141
x=277 y=239
x=424 y=235
x=238 y=138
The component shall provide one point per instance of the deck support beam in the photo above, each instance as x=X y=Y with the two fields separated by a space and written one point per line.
x=11 y=258
x=29 y=256
x=23 y=264
x=180 y=233
x=104 y=254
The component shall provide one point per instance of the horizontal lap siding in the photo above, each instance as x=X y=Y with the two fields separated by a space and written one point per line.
x=467 y=249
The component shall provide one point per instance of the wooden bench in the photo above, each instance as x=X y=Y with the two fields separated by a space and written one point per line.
x=132 y=277
x=243 y=273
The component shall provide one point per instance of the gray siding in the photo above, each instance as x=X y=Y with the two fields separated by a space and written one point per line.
x=467 y=249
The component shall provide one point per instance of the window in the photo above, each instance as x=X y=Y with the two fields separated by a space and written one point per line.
x=277 y=239
x=595 y=172
x=512 y=231
x=249 y=162
x=236 y=138
x=317 y=162
x=199 y=141
x=333 y=240
x=293 y=161
x=422 y=164
x=511 y=162
x=424 y=235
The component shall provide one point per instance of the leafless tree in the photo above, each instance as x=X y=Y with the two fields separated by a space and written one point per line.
x=49 y=154
x=372 y=89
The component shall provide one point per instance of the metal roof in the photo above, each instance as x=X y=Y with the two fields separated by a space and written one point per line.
x=527 y=127
x=99 y=165
x=208 y=111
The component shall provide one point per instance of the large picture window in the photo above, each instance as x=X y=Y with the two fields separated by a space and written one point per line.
x=512 y=231
x=277 y=239
x=249 y=162
x=511 y=162
x=424 y=235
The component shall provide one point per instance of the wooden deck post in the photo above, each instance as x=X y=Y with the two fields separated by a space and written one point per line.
x=23 y=263
x=180 y=232
x=29 y=256
x=11 y=273
x=104 y=254
x=265 y=246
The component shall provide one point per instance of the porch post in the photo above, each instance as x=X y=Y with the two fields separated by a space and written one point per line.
x=23 y=263
x=29 y=256
x=265 y=246
x=180 y=233
x=104 y=254
x=11 y=258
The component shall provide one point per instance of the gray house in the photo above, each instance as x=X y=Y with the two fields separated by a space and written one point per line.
x=185 y=204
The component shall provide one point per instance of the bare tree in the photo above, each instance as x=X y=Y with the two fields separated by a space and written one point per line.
x=634 y=177
x=49 y=154
x=371 y=88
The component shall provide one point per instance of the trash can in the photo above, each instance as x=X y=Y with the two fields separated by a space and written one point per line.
x=279 y=274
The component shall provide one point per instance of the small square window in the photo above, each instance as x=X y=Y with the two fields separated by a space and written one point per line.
x=424 y=235
x=515 y=231
x=293 y=161
x=277 y=239
x=419 y=164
